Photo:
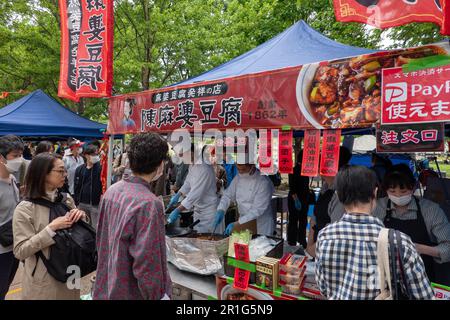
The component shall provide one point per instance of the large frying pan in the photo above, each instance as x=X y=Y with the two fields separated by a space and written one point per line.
x=174 y=231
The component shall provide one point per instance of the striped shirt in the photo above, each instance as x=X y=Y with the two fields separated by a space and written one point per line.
x=436 y=222
x=346 y=263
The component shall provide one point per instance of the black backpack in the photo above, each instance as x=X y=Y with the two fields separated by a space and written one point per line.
x=74 y=246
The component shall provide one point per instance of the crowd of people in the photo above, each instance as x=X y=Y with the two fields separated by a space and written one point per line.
x=349 y=214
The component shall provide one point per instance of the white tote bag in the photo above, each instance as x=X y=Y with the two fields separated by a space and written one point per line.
x=384 y=272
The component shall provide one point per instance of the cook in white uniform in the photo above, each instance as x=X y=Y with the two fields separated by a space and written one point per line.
x=253 y=194
x=200 y=193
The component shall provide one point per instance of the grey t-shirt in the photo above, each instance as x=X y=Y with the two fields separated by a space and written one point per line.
x=9 y=198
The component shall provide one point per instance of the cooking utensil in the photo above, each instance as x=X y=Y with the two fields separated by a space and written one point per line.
x=174 y=231
x=214 y=231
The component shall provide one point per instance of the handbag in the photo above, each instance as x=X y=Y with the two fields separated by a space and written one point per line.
x=402 y=289
x=6 y=234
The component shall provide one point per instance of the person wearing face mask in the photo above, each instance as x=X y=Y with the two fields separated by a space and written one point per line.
x=132 y=263
x=199 y=191
x=252 y=192
x=10 y=148
x=88 y=184
x=346 y=251
x=421 y=219
x=72 y=160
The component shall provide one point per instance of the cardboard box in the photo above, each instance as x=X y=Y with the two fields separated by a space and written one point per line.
x=251 y=225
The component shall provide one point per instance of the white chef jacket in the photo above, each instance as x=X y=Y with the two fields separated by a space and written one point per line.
x=71 y=163
x=253 y=195
x=200 y=190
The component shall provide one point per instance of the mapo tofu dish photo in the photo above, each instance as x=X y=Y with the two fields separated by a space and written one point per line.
x=347 y=93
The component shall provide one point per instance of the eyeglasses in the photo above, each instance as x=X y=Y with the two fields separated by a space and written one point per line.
x=61 y=172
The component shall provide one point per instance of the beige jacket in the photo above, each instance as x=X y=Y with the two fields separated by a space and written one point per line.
x=30 y=236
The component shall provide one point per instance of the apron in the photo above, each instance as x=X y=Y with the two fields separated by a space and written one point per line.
x=416 y=230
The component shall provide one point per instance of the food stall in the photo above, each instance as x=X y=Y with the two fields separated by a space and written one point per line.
x=336 y=94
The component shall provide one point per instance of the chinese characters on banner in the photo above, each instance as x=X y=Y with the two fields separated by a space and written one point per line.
x=329 y=160
x=391 y=13
x=285 y=162
x=241 y=277
x=416 y=97
x=86 y=67
x=311 y=151
x=427 y=137
x=265 y=152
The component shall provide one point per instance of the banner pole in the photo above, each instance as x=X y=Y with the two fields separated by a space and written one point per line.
x=110 y=161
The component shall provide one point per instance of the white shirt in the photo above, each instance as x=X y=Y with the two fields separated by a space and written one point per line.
x=200 y=190
x=71 y=163
x=253 y=195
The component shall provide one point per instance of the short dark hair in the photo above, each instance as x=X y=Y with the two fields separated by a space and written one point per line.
x=36 y=175
x=355 y=185
x=146 y=152
x=43 y=146
x=10 y=143
x=96 y=143
x=399 y=175
x=90 y=149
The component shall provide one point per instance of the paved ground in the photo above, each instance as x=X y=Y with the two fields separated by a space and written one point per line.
x=15 y=291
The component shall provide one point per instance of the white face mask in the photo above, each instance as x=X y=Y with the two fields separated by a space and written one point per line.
x=14 y=165
x=400 y=201
x=95 y=159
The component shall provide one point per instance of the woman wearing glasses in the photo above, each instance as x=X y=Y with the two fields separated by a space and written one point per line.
x=33 y=232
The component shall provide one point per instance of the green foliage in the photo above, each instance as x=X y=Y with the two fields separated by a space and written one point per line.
x=160 y=42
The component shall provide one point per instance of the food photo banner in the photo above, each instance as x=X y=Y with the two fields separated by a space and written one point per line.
x=336 y=94
x=86 y=66
x=392 y=13
x=427 y=137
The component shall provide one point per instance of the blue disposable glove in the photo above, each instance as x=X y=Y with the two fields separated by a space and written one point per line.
x=174 y=216
x=229 y=229
x=174 y=200
x=219 y=217
x=298 y=204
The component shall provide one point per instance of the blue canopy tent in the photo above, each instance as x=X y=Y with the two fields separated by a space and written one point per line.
x=298 y=45
x=38 y=115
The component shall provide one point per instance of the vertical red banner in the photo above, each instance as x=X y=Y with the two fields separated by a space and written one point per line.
x=285 y=162
x=329 y=161
x=311 y=151
x=241 y=277
x=87 y=31
x=265 y=152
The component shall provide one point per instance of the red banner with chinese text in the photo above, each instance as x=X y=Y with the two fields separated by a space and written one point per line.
x=391 y=13
x=265 y=152
x=424 y=137
x=329 y=161
x=241 y=277
x=285 y=161
x=275 y=99
x=86 y=67
x=416 y=97
x=311 y=152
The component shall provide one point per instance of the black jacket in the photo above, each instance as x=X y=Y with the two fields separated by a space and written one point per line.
x=96 y=186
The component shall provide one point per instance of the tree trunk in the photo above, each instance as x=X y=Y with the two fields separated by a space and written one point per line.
x=81 y=105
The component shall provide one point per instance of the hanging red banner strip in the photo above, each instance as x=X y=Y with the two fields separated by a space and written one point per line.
x=285 y=162
x=329 y=161
x=311 y=151
x=265 y=152
x=86 y=67
x=392 y=13
x=241 y=277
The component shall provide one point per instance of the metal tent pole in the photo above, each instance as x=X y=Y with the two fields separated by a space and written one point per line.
x=110 y=161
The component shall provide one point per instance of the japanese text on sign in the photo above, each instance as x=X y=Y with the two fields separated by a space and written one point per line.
x=241 y=277
x=311 y=151
x=416 y=97
x=329 y=160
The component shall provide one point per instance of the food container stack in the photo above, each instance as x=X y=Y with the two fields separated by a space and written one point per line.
x=292 y=273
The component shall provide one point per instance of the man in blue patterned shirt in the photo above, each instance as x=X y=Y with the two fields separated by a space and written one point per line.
x=346 y=265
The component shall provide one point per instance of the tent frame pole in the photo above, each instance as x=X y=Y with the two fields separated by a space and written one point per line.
x=110 y=161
